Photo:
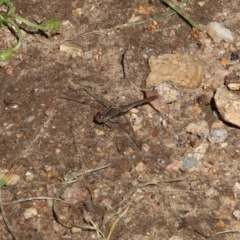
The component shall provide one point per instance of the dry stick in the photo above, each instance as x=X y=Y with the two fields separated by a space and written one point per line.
x=88 y=219
x=218 y=233
x=35 y=198
x=73 y=179
x=125 y=25
x=84 y=227
x=116 y=221
x=86 y=216
x=5 y=219
x=8 y=175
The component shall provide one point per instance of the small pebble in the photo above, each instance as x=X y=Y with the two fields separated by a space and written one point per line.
x=29 y=176
x=208 y=75
x=236 y=214
x=127 y=220
x=99 y=132
x=141 y=167
x=201 y=3
x=199 y=128
x=188 y=163
x=217 y=135
x=128 y=151
x=47 y=168
x=88 y=55
x=211 y=192
x=76 y=230
x=49 y=112
x=30 y=212
x=57 y=150
x=67 y=22
x=145 y=147
x=30 y=119
x=194 y=110
x=234 y=56
x=237 y=186
x=136 y=119
x=174 y=166
x=223 y=145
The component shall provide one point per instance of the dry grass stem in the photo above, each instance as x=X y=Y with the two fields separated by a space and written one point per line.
x=5 y=219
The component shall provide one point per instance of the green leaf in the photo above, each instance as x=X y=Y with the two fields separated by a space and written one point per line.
x=52 y=26
x=6 y=54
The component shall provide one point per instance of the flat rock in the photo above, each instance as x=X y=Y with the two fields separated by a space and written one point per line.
x=228 y=106
x=183 y=69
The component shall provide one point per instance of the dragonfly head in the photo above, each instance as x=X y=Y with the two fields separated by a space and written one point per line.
x=99 y=118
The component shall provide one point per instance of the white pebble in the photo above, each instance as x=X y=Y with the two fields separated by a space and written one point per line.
x=223 y=145
x=207 y=75
x=29 y=176
x=218 y=32
x=30 y=212
x=30 y=119
x=145 y=147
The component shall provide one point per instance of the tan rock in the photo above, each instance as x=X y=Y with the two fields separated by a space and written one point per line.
x=228 y=105
x=184 y=70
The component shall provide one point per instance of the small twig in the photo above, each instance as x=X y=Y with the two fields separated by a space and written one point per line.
x=124 y=65
x=126 y=73
x=87 y=218
x=76 y=176
x=217 y=233
x=5 y=219
x=34 y=198
x=226 y=231
x=125 y=25
x=116 y=221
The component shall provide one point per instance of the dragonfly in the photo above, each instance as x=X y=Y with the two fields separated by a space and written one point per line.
x=105 y=117
x=115 y=111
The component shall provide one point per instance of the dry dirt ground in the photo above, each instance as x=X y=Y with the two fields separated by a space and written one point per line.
x=138 y=188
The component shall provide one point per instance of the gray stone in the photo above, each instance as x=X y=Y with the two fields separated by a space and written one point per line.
x=188 y=163
x=217 y=135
